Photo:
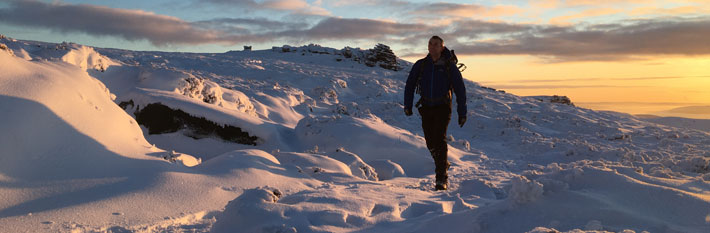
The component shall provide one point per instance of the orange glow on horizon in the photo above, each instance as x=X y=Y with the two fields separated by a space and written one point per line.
x=641 y=86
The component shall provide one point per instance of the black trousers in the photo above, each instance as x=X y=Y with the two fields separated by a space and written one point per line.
x=435 y=121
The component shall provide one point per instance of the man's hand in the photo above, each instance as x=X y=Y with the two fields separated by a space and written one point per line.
x=462 y=121
x=408 y=111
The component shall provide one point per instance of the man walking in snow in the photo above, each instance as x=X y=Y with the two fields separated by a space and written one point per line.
x=434 y=77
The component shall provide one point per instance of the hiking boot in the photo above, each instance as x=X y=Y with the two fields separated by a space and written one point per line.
x=441 y=185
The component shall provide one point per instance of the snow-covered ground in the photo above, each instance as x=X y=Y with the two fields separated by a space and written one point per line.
x=308 y=140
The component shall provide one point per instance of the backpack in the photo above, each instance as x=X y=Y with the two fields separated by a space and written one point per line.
x=452 y=60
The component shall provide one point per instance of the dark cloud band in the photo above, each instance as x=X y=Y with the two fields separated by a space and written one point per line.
x=105 y=21
x=616 y=41
x=678 y=36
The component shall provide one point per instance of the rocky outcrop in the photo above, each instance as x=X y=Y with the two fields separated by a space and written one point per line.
x=160 y=119
x=381 y=55
x=554 y=99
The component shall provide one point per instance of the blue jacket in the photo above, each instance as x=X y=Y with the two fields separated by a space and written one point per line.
x=434 y=83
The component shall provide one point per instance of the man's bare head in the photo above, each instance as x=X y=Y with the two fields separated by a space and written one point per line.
x=436 y=45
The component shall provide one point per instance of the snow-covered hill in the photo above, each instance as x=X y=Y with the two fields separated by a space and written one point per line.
x=313 y=139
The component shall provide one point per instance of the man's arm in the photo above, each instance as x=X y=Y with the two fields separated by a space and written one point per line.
x=410 y=86
x=459 y=90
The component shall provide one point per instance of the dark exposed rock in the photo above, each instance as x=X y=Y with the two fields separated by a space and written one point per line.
x=347 y=53
x=124 y=104
x=554 y=99
x=382 y=55
x=4 y=47
x=160 y=119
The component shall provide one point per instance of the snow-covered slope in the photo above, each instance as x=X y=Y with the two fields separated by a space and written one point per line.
x=311 y=139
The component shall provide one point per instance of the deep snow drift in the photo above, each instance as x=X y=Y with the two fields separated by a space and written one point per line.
x=313 y=139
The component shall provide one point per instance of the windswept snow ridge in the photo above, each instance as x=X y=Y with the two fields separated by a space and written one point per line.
x=107 y=140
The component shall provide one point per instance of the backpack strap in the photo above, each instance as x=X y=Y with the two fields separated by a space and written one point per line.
x=451 y=61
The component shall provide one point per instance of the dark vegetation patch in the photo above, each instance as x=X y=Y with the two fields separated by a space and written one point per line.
x=124 y=104
x=160 y=119
x=555 y=99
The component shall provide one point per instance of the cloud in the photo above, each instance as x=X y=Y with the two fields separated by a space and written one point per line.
x=340 y=3
x=596 y=79
x=465 y=10
x=623 y=40
x=296 y=6
x=641 y=103
x=105 y=21
x=681 y=10
x=163 y=30
x=292 y=6
x=464 y=33
x=428 y=12
x=249 y=25
x=660 y=78
x=515 y=86
x=543 y=3
x=593 y=12
x=603 y=2
x=474 y=28
x=345 y=28
x=330 y=28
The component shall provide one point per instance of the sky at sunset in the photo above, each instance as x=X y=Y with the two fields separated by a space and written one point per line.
x=638 y=56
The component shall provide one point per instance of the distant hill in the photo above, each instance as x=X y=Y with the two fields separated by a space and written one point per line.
x=687 y=123
x=691 y=110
